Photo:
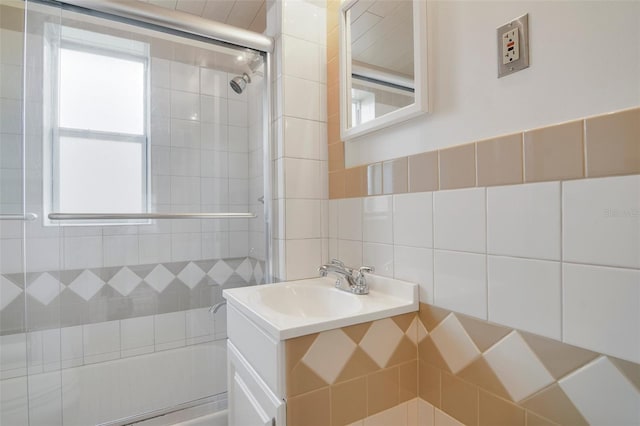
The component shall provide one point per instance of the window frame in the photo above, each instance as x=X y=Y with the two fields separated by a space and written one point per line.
x=56 y=44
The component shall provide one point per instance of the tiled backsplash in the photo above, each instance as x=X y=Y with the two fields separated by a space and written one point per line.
x=540 y=257
x=605 y=145
x=70 y=298
x=340 y=376
x=482 y=373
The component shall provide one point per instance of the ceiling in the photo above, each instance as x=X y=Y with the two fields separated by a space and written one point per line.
x=247 y=14
x=382 y=35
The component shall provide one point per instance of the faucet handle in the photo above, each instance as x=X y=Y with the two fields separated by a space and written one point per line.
x=367 y=269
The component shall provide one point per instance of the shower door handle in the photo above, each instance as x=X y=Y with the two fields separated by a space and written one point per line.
x=27 y=217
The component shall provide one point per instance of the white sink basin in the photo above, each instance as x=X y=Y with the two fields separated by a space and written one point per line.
x=308 y=300
x=295 y=308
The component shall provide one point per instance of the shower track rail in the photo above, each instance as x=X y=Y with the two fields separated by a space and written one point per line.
x=125 y=216
x=24 y=217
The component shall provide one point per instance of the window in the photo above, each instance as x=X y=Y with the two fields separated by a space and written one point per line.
x=99 y=129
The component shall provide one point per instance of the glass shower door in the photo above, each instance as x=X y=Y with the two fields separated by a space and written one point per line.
x=115 y=324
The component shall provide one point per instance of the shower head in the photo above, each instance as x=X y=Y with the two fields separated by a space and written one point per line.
x=238 y=83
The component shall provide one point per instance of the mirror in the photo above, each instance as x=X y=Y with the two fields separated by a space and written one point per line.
x=383 y=64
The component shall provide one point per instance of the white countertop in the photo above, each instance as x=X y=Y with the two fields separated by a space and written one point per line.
x=296 y=308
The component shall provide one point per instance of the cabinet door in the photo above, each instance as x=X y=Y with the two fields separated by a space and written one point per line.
x=246 y=410
x=251 y=401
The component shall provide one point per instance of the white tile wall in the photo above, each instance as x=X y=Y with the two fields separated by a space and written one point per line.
x=601 y=221
x=460 y=282
x=304 y=138
x=137 y=336
x=524 y=220
x=311 y=106
x=377 y=222
x=303 y=257
x=601 y=309
x=413 y=219
x=305 y=59
x=526 y=294
x=589 y=222
x=303 y=219
x=415 y=265
x=460 y=220
x=101 y=341
x=380 y=256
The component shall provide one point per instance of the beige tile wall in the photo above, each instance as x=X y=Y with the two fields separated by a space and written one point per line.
x=605 y=145
x=341 y=376
x=498 y=381
x=452 y=362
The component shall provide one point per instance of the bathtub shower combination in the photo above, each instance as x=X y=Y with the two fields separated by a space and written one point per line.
x=131 y=194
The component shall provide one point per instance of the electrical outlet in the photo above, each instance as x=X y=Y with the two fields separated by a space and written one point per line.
x=510 y=46
x=513 y=46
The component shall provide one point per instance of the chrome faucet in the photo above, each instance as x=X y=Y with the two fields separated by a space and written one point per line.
x=355 y=278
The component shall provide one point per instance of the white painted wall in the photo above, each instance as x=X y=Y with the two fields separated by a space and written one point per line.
x=598 y=73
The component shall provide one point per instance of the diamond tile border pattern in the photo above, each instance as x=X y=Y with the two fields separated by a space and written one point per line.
x=534 y=376
x=155 y=284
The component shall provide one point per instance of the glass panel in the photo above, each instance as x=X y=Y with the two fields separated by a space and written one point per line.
x=100 y=176
x=101 y=93
x=124 y=302
x=13 y=339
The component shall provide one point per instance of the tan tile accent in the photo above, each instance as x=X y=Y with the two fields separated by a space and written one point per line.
x=333 y=14
x=429 y=353
x=481 y=374
x=302 y=379
x=333 y=78
x=629 y=369
x=429 y=383
x=406 y=351
x=500 y=161
x=458 y=167
x=495 y=411
x=382 y=390
x=356 y=181
x=554 y=153
x=554 y=404
x=483 y=334
x=357 y=332
x=423 y=172
x=360 y=364
x=395 y=176
x=535 y=420
x=408 y=381
x=336 y=156
x=613 y=144
x=348 y=402
x=310 y=409
x=333 y=101
x=460 y=399
x=404 y=321
x=333 y=37
x=333 y=129
x=559 y=358
x=431 y=315
x=374 y=179
x=12 y=18
x=296 y=348
x=336 y=184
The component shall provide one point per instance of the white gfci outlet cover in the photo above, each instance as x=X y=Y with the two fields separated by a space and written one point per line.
x=510 y=46
x=513 y=46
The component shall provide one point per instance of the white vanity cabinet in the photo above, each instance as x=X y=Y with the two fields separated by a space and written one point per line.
x=255 y=361
x=261 y=318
